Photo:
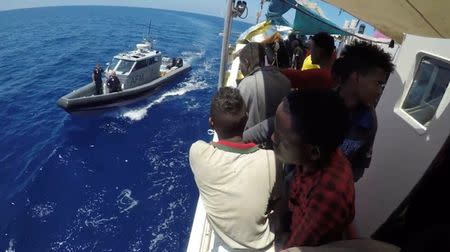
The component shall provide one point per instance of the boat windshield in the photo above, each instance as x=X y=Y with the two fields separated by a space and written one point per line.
x=124 y=66
x=113 y=64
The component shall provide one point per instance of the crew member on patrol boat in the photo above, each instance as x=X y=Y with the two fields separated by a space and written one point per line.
x=97 y=79
x=113 y=83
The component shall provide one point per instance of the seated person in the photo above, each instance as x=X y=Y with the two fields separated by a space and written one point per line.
x=309 y=127
x=236 y=180
x=113 y=83
x=262 y=89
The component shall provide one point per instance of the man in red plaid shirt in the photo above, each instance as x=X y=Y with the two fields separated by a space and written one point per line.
x=309 y=127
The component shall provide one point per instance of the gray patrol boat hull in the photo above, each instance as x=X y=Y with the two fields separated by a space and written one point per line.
x=83 y=99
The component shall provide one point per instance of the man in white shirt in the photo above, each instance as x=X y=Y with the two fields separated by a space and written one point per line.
x=237 y=181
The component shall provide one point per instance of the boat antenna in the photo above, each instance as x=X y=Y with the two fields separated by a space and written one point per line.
x=258 y=13
x=148 y=30
x=233 y=10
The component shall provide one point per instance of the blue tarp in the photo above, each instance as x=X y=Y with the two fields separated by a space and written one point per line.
x=306 y=22
x=276 y=10
x=278 y=7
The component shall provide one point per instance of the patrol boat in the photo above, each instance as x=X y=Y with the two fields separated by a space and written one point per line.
x=140 y=71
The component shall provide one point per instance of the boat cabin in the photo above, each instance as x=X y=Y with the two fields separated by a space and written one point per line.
x=136 y=67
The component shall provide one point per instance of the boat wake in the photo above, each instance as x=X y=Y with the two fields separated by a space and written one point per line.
x=195 y=82
x=189 y=56
x=183 y=88
x=12 y=242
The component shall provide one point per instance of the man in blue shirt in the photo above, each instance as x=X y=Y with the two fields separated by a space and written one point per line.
x=361 y=73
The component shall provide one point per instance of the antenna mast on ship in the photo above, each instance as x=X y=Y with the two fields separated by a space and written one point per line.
x=226 y=35
x=148 y=30
x=233 y=10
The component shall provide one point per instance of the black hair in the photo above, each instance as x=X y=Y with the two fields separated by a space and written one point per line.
x=361 y=57
x=228 y=112
x=337 y=70
x=325 y=42
x=292 y=36
x=254 y=53
x=320 y=117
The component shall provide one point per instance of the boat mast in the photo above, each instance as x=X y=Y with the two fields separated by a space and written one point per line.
x=148 y=30
x=226 y=36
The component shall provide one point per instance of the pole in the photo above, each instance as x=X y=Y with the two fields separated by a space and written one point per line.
x=226 y=35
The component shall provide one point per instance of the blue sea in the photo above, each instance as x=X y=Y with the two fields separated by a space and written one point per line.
x=115 y=180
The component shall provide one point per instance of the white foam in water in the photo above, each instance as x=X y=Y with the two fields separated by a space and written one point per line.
x=141 y=113
x=88 y=217
x=96 y=222
x=189 y=57
x=154 y=241
x=42 y=210
x=136 y=246
x=12 y=242
x=125 y=201
x=113 y=128
x=192 y=84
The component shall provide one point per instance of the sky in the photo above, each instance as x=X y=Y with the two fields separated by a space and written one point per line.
x=207 y=7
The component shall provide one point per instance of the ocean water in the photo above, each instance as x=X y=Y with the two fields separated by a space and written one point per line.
x=115 y=180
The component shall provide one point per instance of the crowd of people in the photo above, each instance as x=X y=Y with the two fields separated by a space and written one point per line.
x=293 y=138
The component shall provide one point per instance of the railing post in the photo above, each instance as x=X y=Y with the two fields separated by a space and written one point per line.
x=225 y=41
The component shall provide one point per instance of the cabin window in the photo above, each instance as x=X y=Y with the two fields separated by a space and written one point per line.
x=125 y=66
x=140 y=64
x=428 y=87
x=113 y=64
x=151 y=61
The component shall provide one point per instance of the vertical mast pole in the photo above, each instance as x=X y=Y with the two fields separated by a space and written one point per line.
x=225 y=41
